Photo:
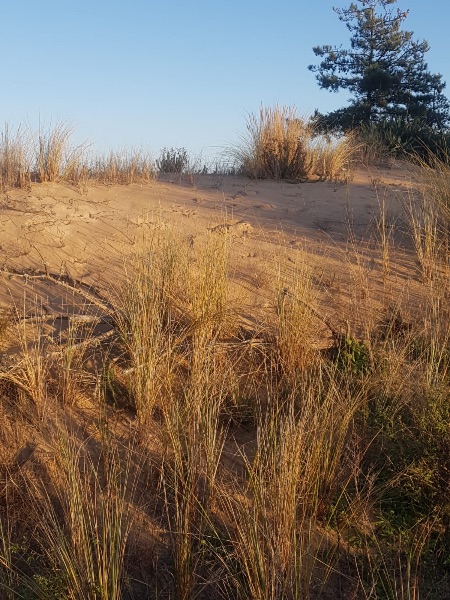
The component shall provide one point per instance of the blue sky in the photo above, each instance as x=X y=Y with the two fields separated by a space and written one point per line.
x=175 y=73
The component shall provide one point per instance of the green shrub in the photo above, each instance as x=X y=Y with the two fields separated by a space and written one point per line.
x=402 y=139
x=353 y=355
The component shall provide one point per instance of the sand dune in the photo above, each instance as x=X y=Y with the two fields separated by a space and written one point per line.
x=274 y=228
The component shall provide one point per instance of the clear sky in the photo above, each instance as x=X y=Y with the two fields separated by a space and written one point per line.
x=176 y=72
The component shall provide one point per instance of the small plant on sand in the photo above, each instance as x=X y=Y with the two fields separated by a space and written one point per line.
x=353 y=354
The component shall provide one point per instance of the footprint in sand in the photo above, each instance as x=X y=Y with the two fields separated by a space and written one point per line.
x=264 y=206
x=241 y=228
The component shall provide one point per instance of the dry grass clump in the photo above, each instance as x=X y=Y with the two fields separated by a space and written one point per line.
x=123 y=167
x=194 y=438
x=146 y=311
x=280 y=144
x=15 y=159
x=428 y=213
x=274 y=146
x=297 y=324
x=48 y=155
x=333 y=158
x=86 y=524
x=31 y=375
x=290 y=483
x=54 y=156
x=435 y=175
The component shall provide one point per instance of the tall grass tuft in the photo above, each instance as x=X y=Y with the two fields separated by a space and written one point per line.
x=435 y=178
x=122 y=167
x=31 y=375
x=290 y=485
x=296 y=323
x=194 y=435
x=15 y=159
x=428 y=215
x=52 y=151
x=145 y=314
x=86 y=524
x=281 y=144
x=332 y=159
x=274 y=145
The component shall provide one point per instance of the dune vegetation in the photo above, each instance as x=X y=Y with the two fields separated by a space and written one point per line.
x=158 y=446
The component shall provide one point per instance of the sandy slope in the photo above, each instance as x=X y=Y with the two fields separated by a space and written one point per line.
x=276 y=227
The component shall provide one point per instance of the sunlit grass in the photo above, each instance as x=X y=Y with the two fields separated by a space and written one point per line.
x=197 y=462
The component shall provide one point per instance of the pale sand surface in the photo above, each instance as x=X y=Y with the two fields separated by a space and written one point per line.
x=275 y=229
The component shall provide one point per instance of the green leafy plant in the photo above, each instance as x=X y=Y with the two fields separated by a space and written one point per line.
x=353 y=355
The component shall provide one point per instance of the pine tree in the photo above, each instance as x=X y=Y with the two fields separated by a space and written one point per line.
x=384 y=69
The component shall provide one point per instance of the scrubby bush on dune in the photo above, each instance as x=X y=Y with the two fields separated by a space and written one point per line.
x=173 y=160
x=274 y=146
